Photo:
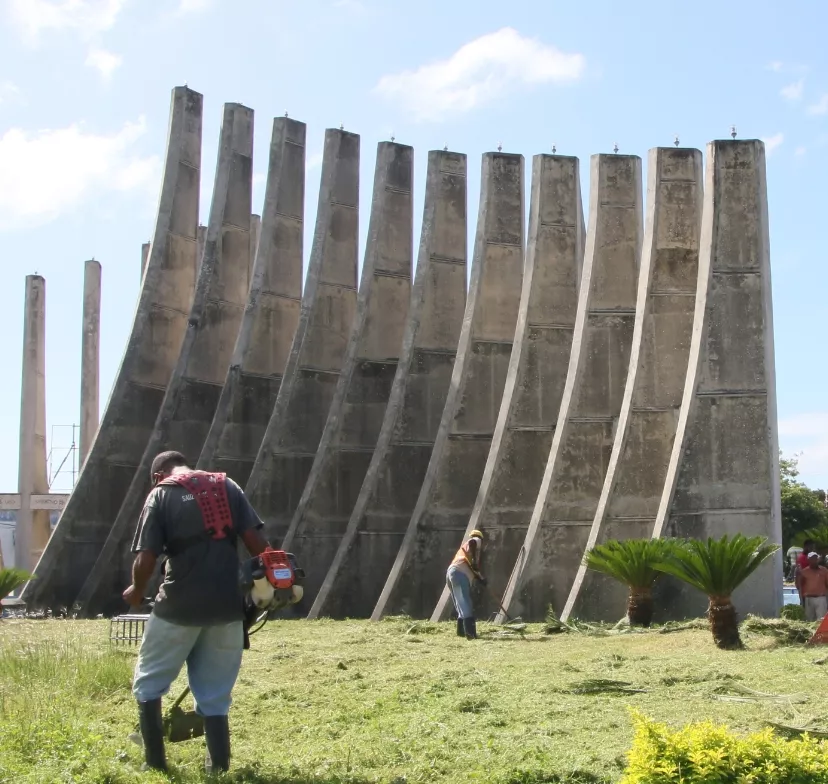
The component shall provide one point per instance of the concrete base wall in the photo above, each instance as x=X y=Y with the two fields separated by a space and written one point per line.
x=392 y=483
x=723 y=476
x=294 y=430
x=468 y=422
x=193 y=392
x=154 y=345
x=90 y=357
x=270 y=316
x=591 y=403
x=536 y=376
x=358 y=408
x=661 y=346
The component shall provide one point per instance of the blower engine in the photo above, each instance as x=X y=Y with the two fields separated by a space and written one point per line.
x=277 y=580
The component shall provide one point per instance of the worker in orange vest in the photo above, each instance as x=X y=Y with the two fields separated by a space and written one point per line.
x=461 y=574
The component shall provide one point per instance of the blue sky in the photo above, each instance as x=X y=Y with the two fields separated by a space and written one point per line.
x=84 y=100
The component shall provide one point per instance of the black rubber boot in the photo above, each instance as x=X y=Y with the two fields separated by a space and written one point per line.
x=470 y=626
x=461 y=629
x=152 y=731
x=217 y=734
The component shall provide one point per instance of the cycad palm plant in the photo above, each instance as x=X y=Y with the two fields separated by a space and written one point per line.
x=632 y=562
x=717 y=567
x=11 y=579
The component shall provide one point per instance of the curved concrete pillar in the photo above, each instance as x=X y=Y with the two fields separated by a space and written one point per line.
x=193 y=392
x=154 y=345
x=536 y=375
x=453 y=476
x=399 y=461
x=358 y=407
x=270 y=316
x=298 y=418
x=723 y=475
x=591 y=403
x=32 y=528
x=90 y=357
x=255 y=235
x=655 y=380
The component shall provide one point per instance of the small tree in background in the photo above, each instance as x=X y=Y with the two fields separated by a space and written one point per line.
x=11 y=579
x=632 y=562
x=802 y=508
x=718 y=567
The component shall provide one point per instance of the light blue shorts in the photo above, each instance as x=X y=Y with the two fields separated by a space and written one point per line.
x=460 y=586
x=213 y=655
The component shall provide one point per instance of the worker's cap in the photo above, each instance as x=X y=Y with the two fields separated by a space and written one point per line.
x=476 y=534
x=164 y=459
x=813 y=555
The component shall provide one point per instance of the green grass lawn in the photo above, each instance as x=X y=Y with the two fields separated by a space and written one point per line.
x=354 y=701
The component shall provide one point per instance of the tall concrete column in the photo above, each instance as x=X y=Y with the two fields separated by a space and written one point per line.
x=289 y=446
x=536 y=375
x=270 y=316
x=655 y=380
x=456 y=466
x=213 y=326
x=32 y=530
x=155 y=342
x=145 y=252
x=358 y=407
x=201 y=239
x=723 y=475
x=255 y=234
x=392 y=483
x=554 y=544
x=90 y=357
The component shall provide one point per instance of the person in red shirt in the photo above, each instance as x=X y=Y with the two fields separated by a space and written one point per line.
x=813 y=581
x=802 y=563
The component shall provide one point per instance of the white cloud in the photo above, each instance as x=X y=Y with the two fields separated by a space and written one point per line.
x=800 y=151
x=193 y=6
x=793 y=91
x=478 y=73
x=51 y=172
x=314 y=161
x=8 y=90
x=820 y=107
x=86 y=17
x=105 y=62
x=775 y=65
x=772 y=142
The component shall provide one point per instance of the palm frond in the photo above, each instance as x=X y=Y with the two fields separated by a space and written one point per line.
x=818 y=534
x=11 y=579
x=630 y=561
x=717 y=566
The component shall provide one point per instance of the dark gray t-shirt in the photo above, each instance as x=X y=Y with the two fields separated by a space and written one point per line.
x=201 y=583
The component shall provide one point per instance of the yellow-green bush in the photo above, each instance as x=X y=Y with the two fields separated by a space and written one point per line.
x=706 y=753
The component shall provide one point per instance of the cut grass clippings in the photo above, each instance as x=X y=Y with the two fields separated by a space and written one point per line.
x=352 y=702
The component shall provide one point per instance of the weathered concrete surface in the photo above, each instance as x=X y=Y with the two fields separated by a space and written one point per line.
x=392 y=483
x=723 y=475
x=151 y=353
x=145 y=252
x=536 y=375
x=591 y=402
x=90 y=357
x=468 y=422
x=295 y=427
x=193 y=392
x=32 y=529
x=270 y=316
x=655 y=380
x=368 y=370
x=255 y=236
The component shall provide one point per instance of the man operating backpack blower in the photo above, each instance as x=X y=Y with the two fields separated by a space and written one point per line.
x=195 y=519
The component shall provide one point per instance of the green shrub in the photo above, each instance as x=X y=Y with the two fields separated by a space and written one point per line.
x=793 y=612
x=706 y=753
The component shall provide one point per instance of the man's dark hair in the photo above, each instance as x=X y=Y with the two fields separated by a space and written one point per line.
x=165 y=461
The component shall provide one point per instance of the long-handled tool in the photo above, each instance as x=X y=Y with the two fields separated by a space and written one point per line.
x=506 y=615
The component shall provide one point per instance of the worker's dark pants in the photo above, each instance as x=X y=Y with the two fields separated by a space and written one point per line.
x=213 y=655
x=460 y=587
